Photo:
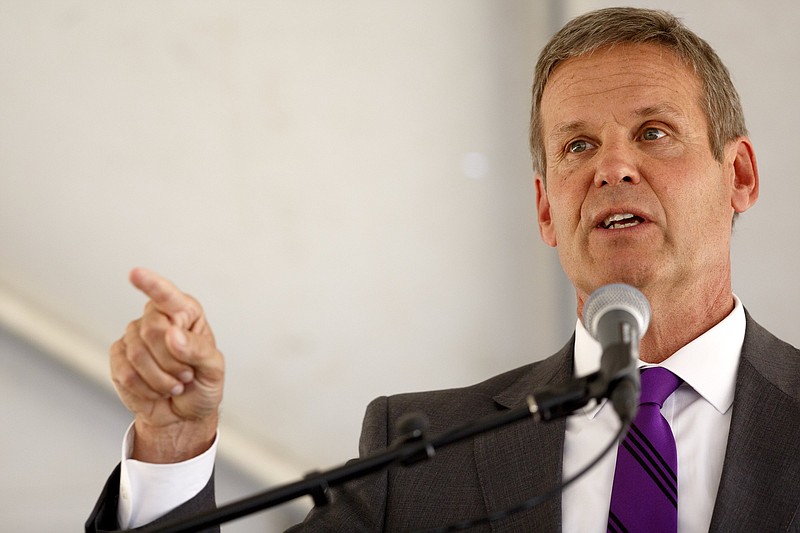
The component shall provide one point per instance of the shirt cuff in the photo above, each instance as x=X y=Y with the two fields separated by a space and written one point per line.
x=148 y=491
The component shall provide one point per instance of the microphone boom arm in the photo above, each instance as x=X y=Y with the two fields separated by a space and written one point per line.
x=548 y=404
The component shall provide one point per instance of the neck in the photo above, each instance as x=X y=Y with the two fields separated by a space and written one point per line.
x=679 y=316
x=680 y=319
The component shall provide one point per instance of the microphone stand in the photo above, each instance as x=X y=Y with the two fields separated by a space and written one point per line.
x=411 y=447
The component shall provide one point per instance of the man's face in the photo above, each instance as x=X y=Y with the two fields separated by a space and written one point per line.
x=634 y=194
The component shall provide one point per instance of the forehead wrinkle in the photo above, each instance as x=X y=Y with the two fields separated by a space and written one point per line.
x=563 y=98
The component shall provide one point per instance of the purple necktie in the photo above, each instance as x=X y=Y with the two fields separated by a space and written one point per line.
x=645 y=493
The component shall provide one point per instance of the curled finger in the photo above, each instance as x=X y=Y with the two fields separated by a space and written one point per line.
x=129 y=385
x=147 y=368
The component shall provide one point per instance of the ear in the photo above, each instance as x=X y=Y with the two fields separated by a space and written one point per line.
x=545 y=216
x=744 y=191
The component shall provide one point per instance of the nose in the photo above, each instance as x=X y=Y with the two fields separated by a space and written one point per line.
x=616 y=164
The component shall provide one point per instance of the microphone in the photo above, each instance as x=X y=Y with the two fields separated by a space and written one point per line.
x=617 y=316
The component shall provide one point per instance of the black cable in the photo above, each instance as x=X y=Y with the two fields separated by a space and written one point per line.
x=536 y=500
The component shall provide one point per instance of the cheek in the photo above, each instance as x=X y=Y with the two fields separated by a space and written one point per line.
x=567 y=217
x=699 y=205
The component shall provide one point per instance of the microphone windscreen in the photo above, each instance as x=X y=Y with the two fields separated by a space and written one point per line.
x=615 y=296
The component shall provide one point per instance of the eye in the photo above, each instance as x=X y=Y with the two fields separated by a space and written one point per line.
x=652 y=134
x=576 y=147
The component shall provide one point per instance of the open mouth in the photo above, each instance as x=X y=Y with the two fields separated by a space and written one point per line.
x=620 y=221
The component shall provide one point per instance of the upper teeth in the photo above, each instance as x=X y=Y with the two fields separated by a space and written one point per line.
x=619 y=217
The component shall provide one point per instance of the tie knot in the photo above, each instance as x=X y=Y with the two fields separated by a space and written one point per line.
x=657 y=384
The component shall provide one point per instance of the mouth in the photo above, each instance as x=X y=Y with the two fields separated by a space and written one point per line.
x=620 y=221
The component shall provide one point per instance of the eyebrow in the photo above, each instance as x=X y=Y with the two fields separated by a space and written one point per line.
x=659 y=109
x=566 y=128
x=662 y=109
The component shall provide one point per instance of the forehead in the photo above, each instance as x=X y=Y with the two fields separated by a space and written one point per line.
x=619 y=80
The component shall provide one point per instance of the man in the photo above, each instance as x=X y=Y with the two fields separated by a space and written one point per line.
x=642 y=163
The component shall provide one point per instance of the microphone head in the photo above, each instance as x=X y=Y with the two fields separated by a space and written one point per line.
x=616 y=297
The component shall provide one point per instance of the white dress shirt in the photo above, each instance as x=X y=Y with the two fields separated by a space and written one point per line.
x=148 y=491
x=699 y=413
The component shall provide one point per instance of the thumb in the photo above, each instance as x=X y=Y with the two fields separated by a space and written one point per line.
x=201 y=397
x=197 y=351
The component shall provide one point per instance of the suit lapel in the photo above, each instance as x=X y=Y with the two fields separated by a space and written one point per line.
x=759 y=489
x=524 y=460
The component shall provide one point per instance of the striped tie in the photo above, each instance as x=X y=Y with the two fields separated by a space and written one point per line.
x=645 y=493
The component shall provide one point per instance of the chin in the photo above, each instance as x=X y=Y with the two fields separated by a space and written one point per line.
x=636 y=277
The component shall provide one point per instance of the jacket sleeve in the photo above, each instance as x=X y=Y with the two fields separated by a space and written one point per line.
x=104 y=515
x=355 y=506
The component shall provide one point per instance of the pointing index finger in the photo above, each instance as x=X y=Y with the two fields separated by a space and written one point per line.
x=182 y=310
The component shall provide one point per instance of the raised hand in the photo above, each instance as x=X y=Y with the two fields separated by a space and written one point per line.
x=168 y=372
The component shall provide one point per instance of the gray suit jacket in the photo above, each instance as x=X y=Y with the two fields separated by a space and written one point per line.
x=759 y=489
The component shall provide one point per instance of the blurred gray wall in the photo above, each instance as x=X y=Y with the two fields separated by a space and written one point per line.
x=345 y=186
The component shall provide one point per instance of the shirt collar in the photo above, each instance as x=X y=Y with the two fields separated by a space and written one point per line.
x=708 y=364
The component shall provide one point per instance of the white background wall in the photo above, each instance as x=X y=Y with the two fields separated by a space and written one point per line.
x=346 y=187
